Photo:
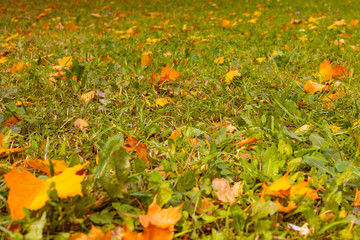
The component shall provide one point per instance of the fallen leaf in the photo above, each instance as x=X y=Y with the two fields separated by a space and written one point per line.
x=19 y=66
x=175 y=134
x=291 y=206
x=281 y=187
x=313 y=87
x=158 y=223
x=43 y=165
x=88 y=96
x=220 y=60
x=146 y=58
x=333 y=128
x=230 y=76
x=224 y=192
x=65 y=62
x=328 y=72
x=250 y=142
x=28 y=191
x=302 y=189
x=94 y=234
x=81 y=123
x=357 y=198
x=6 y=151
x=131 y=143
x=12 y=121
x=305 y=127
x=97 y=15
x=225 y=23
x=166 y=75
x=354 y=22
x=163 y=101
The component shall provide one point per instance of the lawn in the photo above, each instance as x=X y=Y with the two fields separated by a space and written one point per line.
x=179 y=119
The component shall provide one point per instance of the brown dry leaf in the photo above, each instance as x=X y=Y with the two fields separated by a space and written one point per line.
x=140 y=149
x=313 y=87
x=88 y=96
x=224 y=192
x=205 y=206
x=81 y=123
x=94 y=234
x=43 y=165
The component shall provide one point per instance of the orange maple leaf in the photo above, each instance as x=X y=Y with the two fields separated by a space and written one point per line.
x=158 y=223
x=166 y=75
x=140 y=148
x=328 y=72
x=44 y=165
x=313 y=87
x=250 y=142
x=28 y=191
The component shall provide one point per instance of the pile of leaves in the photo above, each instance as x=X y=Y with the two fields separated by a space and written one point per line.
x=179 y=120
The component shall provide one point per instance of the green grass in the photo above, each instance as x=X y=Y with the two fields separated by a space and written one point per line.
x=263 y=103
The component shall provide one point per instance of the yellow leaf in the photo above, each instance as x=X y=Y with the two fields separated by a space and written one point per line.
x=65 y=62
x=44 y=165
x=146 y=58
x=230 y=76
x=313 y=87
x=81 y=123
x=163 y=101
x=357 y=198
x=305 y=127
x=174 y=135
x=88 y=96
x=220 y=60
x=333 y=128
x=28 y=191
x=224 y=192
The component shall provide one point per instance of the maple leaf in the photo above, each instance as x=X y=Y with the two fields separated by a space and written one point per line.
x=302 y=189
x=166 y=75
x=313 y=87
x=146 y=58
x=13 y=120
x=224 y=192
x=158 y=223
x=43 y=165
x=28 y=191
x=291 y=206
x=281 y=187
x=328 y=72
x=131 y=143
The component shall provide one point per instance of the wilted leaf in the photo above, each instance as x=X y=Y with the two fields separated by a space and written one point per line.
x=81 y=123
x=28 y=191
x=305 y=127
x=88 y=96
x=248 y=142
x=224 y=192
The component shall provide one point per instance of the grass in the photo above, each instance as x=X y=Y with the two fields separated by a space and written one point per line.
x=276 y=58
